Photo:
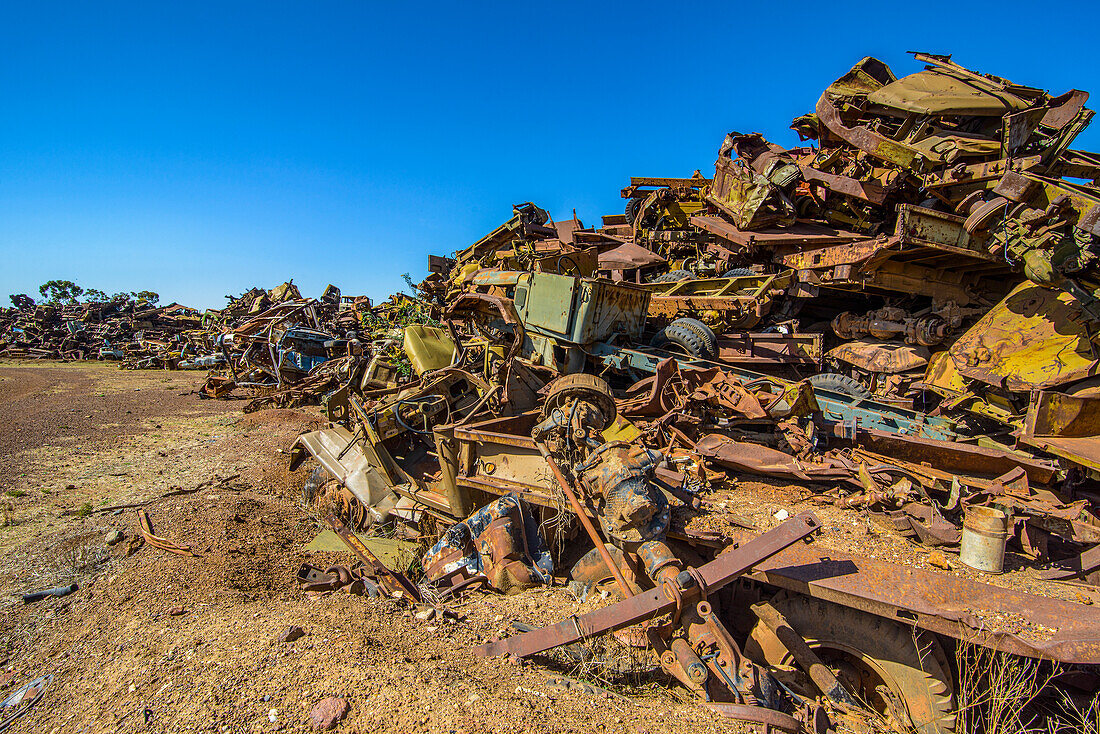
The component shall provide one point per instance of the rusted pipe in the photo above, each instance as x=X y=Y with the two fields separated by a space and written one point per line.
x=586 y=521
x=806 y=658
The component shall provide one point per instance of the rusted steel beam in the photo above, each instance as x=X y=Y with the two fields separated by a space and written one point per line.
x=801 y=234
x=465 y=433
x=955 y=457
x=392 y=581
x=586 y=522
x=806 y=658
x=831 y=255
x=770 y=719
x=649 y=604
x=694 y=182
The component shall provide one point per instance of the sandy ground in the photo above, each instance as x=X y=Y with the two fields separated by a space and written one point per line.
x=156 y=642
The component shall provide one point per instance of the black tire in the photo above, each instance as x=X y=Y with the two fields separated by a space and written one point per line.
x=910 y=663
x=739 y=273
x=632 y=208
x=839 y=383
x=705 y=333
x=673 y=276
x=680 y=338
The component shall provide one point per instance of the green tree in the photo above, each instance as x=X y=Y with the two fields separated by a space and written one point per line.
x=21 y=300
x=58 y=291
x=94 y=295
x=148 y=296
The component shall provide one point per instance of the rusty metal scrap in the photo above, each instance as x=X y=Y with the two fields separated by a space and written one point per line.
x=314 y=580
x=145 y=525
x=132 y=332
x=394 y=582
x=272 y=342
x=900 y=315
x=695 y=585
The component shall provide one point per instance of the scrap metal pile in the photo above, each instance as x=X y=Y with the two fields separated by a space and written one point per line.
x=136 y=333
x=902 y=315
x=281 y=346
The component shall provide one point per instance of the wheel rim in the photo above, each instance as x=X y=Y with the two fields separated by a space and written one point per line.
x=863 y=677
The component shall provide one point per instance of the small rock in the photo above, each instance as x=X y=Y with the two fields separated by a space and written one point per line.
x=292 y=633
x=781 y=515
x=426 y=614
x=114 y=536
x=273 y=715
x=176 y=611
x=939 y=560
x=328 y=712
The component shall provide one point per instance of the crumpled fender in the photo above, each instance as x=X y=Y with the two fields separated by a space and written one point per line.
x=345 y=461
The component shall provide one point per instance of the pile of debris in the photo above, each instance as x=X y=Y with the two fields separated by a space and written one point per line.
x=136 y=333
x=285 y=349
x=902 y=316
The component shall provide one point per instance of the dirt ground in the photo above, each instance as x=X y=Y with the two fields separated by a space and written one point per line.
x=155 y=642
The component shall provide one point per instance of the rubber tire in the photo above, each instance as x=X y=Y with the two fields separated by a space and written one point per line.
x=705 y=333
x=739 y=273
x=935 y=204
x=632 y=208
x=920 y=678
x=839 y=383
x=673 y=276
x=684 y=337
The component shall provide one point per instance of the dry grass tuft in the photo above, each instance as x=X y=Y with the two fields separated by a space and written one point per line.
x=997 y=690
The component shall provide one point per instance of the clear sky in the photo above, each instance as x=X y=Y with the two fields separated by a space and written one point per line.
x=198 y=149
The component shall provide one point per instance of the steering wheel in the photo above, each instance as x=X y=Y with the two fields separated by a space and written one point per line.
x=571 y=261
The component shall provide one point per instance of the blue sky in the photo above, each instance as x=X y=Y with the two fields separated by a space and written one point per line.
x=200 y=149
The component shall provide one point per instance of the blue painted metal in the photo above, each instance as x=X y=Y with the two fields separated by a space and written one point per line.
x=836 y=408
x=302 y=349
